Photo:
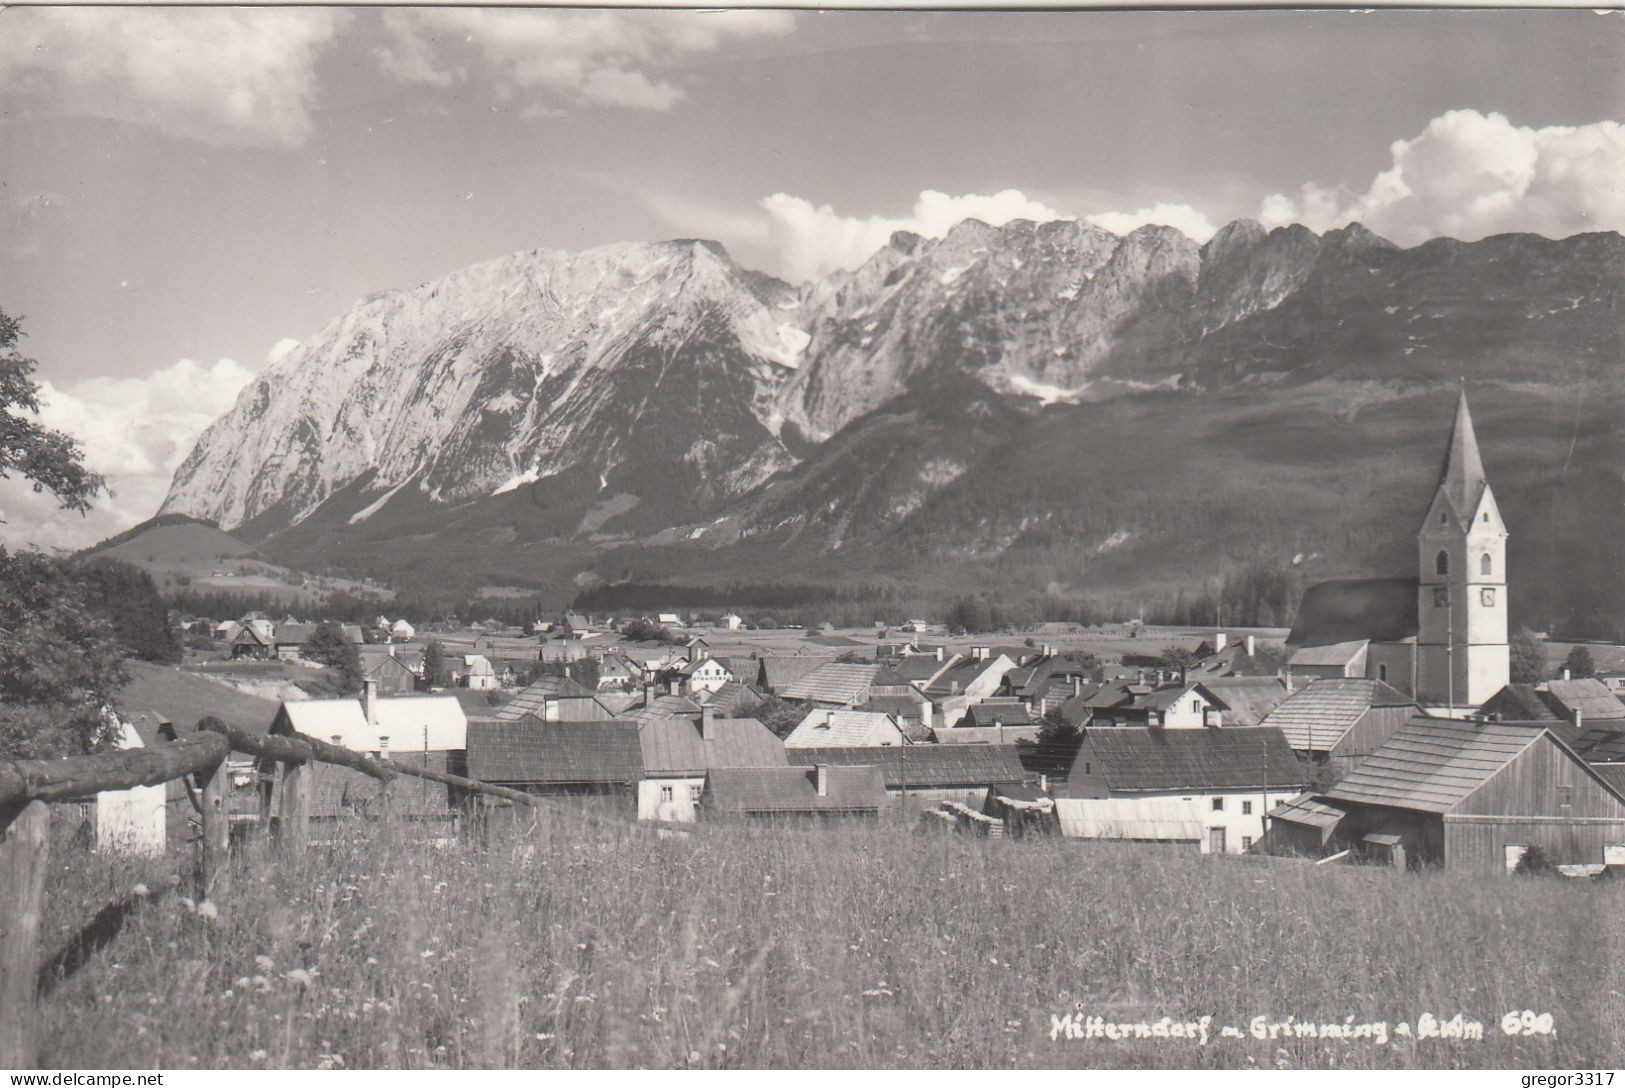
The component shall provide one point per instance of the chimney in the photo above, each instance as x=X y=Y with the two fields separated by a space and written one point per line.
x=1579 y=718
x=1565 y=672
x=694 y=652
x=953 y=687
x=707 y=718
x=369 y=700
x=940 y=651
x=391 y=649
x=1077 y=685
x=676 y=687
x=1220 y=641
x=1252 y=645
x=649 y=693
x=821 y=773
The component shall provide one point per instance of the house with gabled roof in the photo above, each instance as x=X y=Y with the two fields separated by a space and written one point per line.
x=731 y=700
x=1187 y=705
x=596 y=758
x=387 y=727
x=831 y=727
x=968 y=681
x=616 y=672
x=700 y=674
x=1341 y=721
x=1232 y=777
x=920 y=776
x=552 y=698
x=1473 y=795
x=837 y=684
x=393 y=676
x=1248 y=699
x=254 y=638
x=780 y=670
x=679 y=753
x=1337 y=660
x=800 y=794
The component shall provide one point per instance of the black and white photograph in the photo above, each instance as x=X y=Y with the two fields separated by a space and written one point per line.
x=675 y=539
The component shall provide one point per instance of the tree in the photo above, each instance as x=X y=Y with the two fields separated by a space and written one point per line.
x=60 y=662
x=1528 y=658
x=50 y=460
x=328 y=646
x=642 y=630
x=779 y=716
x=434 y=662
x=1580 y=664
x=1176 y=657
x=127 y=597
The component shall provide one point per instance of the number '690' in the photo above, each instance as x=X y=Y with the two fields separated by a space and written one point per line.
x=1527 y=1023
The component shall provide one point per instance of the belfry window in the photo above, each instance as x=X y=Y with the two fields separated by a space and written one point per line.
x=1485 y=564
x=1441 y=564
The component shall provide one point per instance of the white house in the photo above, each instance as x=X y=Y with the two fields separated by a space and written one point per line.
x=1226 y=779
x=131 y=821
x=401 y=631
x=478 y=674
x=733 y=622
x=707 y=674
x=410 y=723
x=829 y=727
x=669 y=619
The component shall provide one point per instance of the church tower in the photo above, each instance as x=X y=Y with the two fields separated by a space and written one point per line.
x=1461 y=603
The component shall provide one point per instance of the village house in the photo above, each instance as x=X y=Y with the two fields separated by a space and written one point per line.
x=552 y=698
x=1224 y=781
x=597 y=759
x=669 y=619
x=731 y=700
x=795 y=794
x=137 y=820
x=778 y=670
x=254 y=639
x=912 y=711
x=731 y=622
x=1248 y=699
x=1339 y=722
x=402 y=631
x=392 y=675
x=836 y=684
x=1467 y=795
x=920 y=776
x=678 y=754
x=1188 y=704
x=477 y=674
x=1005 y=711
x=386 y=727
x=615 y=672
x=968 y=681
x=1336 y=661
x=828 y=727
x=704 y=674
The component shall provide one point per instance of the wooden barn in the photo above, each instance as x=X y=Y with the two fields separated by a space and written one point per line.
x=794 y=794
x=918 y=776
x=560 y=759
x=1341 y=721
x=1470 y=795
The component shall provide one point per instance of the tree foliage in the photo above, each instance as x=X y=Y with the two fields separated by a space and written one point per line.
x=328 y=646
x=1580 y=664
x=61 y=663
x=1528 y=662
x=642 y=630
x=127 y=597
x=50 y=460
x=435 y=670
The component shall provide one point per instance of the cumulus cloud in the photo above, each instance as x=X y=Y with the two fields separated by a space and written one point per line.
x=1469 y=174
x=134 y=431
x=1182 y=217
x=225 y=75
x=542 y=58
x=812 y=240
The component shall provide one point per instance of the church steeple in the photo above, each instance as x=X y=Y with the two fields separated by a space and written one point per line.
x=1462 y=479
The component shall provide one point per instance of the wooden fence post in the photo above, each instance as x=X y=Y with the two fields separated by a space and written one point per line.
x=216 y=836
x=24 y=853
x=296 y=791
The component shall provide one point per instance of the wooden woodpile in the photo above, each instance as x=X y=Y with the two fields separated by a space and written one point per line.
x=28 y=788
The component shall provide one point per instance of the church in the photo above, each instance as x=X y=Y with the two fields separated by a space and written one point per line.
x=1440 y=637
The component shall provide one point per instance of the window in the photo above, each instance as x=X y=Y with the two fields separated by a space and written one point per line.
x=337 y=739
x=383 y=745
x=695 y=793
x=1442 y=519
x=1246 y=808
x=1485 y=564
x=1441 y=563
x=1218 y=804
x=1196 y=706
x=665 y=793
x=1382 y=672
x=1246 y=843
x=1486 y=517
x=1565 y=796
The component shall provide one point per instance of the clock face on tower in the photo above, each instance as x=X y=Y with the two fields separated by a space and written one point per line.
x=1486 y=597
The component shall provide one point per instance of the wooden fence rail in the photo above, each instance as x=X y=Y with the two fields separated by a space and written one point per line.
x=29 y=786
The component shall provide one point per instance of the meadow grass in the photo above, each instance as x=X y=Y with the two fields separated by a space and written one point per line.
x=578 y=944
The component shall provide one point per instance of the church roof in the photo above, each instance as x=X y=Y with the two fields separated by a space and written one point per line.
x=1462 y=478
x=1350 y=609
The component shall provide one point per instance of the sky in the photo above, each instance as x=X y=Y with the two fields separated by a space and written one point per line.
x=185 y=193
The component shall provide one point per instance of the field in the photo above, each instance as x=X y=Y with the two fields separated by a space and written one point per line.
x=580 y=944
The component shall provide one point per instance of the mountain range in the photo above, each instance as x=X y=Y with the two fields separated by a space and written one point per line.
x=1037 y=408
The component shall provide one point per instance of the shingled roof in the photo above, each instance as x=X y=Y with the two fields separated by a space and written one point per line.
x=1590 y=697
x=789 y=790
x=533 y=698
x=1462 y=477
x=555 y=753
x=827 y=727
x=1602 y=744
x=674 y=746
x=1316 y=718
x=1434 y=764
x=1379 y=609
x=921 y=766
x=1248 y=699
x=1133 y=759
x=781 y=669
x=836 y=682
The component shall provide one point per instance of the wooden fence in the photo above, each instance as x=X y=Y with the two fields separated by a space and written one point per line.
x=29 y=786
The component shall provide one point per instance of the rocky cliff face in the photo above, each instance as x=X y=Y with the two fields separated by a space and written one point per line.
x=638 y=388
